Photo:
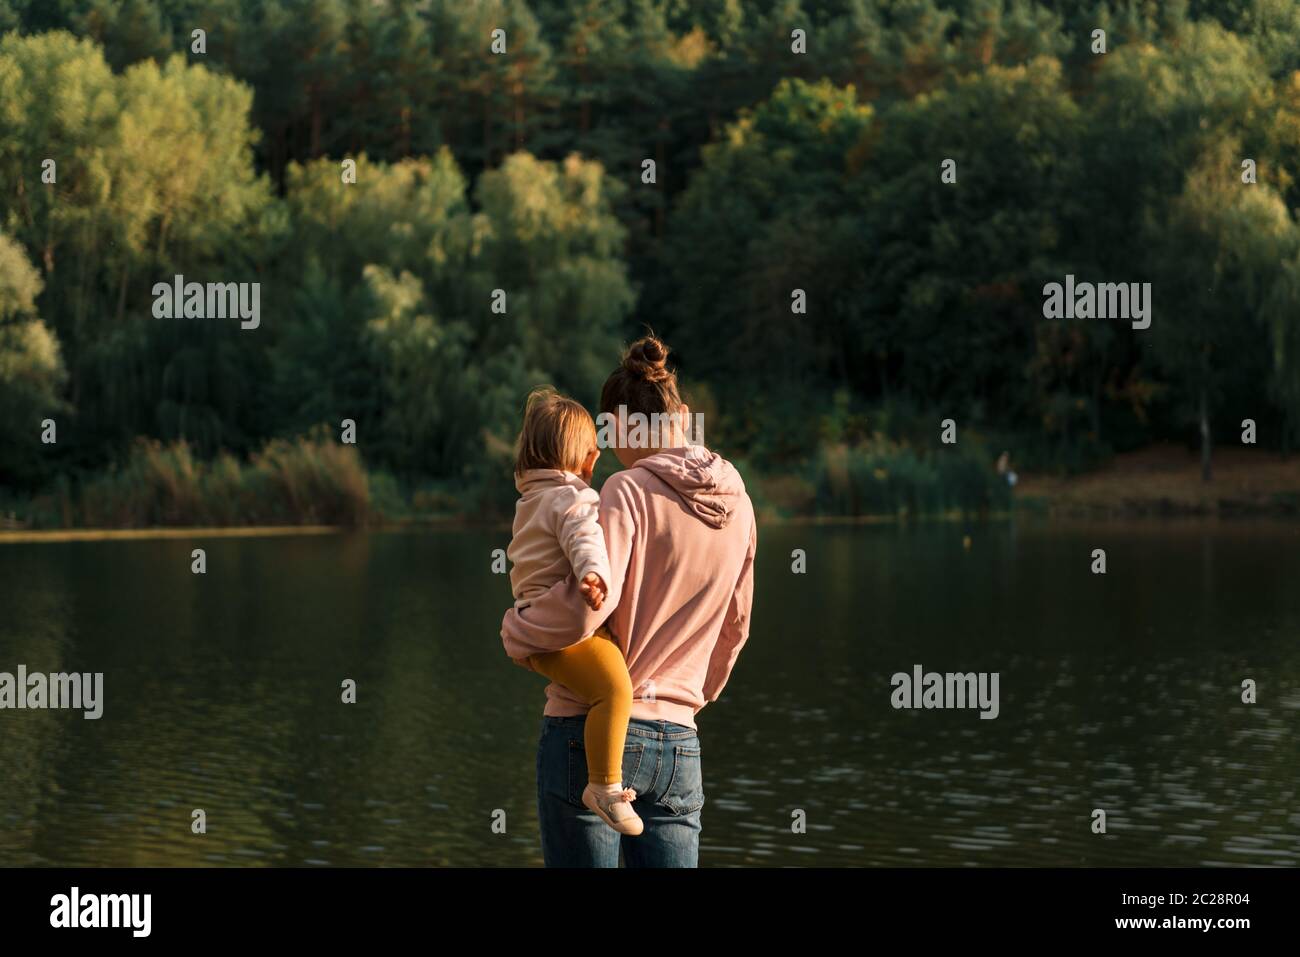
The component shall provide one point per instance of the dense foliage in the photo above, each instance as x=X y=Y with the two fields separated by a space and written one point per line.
x=775 y=171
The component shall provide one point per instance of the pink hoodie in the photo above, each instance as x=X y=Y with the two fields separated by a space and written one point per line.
x=681 y=538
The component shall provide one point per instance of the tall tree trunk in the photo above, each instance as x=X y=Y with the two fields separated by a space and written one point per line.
x=47 y=254
x=1094 y=410
x=280 y=157
x=662 y=175
x=121 y=293
x=316 y=120
x=162 y=239
x=584 y=117
x=1205 y=435
x=487 y=128
x=519 y=118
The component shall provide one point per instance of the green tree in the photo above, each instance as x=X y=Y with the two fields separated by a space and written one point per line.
x=154 y=177
x=1216 y=253
x=31 y=370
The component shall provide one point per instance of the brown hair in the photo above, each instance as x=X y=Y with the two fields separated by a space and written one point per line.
x=642 y=382
x=558 y=433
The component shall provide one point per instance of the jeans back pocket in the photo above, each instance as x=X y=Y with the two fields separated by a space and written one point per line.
x=685 y=791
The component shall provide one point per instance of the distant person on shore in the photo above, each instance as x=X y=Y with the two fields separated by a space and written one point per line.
x=1004 y=469
x=681 y=538
x=556 y=533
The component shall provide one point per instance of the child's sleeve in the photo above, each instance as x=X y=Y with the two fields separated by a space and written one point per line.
x=560 y=617
x=581 y=538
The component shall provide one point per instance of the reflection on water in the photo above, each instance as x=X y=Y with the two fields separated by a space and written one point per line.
x=222 y=692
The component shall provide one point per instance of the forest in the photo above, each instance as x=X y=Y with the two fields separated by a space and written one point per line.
x=841 y=214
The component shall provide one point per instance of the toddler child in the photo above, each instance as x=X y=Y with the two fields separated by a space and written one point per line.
x=555 y=533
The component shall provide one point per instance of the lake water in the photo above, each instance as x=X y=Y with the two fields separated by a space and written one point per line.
x=222 y=692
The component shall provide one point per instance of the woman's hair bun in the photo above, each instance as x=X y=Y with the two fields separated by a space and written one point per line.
x=642 y=382
x=647 y=359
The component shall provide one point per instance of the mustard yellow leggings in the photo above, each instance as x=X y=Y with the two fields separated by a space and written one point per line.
x=595 y=670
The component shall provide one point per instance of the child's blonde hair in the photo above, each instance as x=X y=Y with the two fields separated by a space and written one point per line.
x=558 y=433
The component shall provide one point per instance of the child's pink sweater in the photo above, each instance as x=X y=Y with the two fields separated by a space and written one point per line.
x=680 y=533
x=556 y=532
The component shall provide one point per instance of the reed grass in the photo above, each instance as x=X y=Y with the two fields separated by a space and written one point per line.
x=310 y=480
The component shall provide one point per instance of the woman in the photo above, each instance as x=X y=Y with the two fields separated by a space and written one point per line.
x=680 y=533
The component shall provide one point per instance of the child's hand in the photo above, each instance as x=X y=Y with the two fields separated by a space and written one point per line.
x=593 y=590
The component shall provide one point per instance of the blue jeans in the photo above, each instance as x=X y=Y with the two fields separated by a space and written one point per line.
x=661 y=761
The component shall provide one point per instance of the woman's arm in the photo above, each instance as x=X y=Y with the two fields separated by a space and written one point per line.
x=735 y=627
x=555 y=620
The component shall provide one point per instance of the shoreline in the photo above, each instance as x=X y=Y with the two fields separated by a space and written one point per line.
x=1050 y=515
x=51 y=535
x=1160 y=483
x=1163 y=481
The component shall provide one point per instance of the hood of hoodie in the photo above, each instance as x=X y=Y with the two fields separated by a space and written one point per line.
x=706 y=483
x=534 y=480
